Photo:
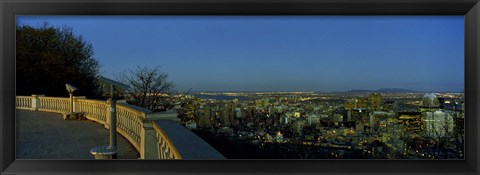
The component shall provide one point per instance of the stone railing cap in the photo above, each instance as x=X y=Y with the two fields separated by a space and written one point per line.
x=138 y=108
x=183 y=139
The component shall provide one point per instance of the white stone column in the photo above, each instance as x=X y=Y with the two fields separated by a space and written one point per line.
x=36 y=102
x=148 y=141
x=76 y=106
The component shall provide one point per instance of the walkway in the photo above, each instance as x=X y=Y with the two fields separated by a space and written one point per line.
x=44 y=135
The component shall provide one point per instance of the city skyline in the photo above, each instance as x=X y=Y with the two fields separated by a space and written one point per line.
x=267 y=53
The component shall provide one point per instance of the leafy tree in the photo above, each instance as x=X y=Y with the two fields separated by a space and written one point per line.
x=47 y=57
x=149 y=87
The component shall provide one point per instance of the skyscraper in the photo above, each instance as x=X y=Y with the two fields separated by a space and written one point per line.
x=375 y=101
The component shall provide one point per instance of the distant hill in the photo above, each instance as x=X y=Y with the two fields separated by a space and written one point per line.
x=394 y=90
x=383 y=90
x=362 y=90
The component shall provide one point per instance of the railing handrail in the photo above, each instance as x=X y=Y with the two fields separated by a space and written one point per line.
x=140 y=113
x=54 y=98
x=89 y=100
x=24 y=96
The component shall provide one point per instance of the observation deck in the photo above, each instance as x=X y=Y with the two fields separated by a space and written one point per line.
x=43 y=134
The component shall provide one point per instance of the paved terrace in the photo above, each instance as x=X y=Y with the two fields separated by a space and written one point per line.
x=45 y=135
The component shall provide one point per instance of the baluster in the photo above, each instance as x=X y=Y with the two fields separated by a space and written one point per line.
x=120 y=115
x=101 y=112
x=130 y=126
x=95 y=111
x=120 y=120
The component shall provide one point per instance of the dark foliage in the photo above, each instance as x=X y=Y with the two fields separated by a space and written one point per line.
x=47 y=57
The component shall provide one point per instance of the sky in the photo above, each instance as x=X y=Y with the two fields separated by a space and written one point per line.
x=279 y=53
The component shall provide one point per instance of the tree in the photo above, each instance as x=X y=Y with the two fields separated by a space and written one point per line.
x=47 y=57
x=150 y=87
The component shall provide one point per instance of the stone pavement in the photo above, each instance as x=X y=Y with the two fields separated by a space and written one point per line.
x=44 y=135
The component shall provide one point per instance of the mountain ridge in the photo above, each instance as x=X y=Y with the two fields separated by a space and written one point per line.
x=384 y=90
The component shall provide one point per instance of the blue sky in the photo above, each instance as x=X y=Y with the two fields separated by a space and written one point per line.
x=279 y=53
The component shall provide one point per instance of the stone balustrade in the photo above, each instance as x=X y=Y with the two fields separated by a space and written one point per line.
x=132 y=122
x=166 y=149
x=53 y=104
x=95 y=110
x=24 y=102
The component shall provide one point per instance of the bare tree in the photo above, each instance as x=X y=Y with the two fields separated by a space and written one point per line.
x=149 y=86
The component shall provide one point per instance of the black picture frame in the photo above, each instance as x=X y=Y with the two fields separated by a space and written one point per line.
x=11 y=8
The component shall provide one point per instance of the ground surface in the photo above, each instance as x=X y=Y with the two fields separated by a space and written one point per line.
x=44 y=135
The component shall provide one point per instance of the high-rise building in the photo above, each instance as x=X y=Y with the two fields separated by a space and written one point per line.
x=349 y=104
x=438 y=123
x=411 y=121
x=375 y=101
x=190 y=112
x=226 y=120
x=388 y=105
x=360 y=116
x=313 y=119
x=362 y=103
x=207 y=113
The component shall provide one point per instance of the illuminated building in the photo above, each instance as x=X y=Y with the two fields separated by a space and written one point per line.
x=349 y=104
x=438 y=123
x=313 y=119
x=284 y=119
x=190 y=112
x=361 y=117
x=279 y=137
x=411 y=121
x=267 y=138
x=354 y=107
x=204 y=118
x=388 y=105
x=375 y=101
x=362 y=103
x=429 y=102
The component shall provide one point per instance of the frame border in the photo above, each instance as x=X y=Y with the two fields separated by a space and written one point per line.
x=11 y=8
